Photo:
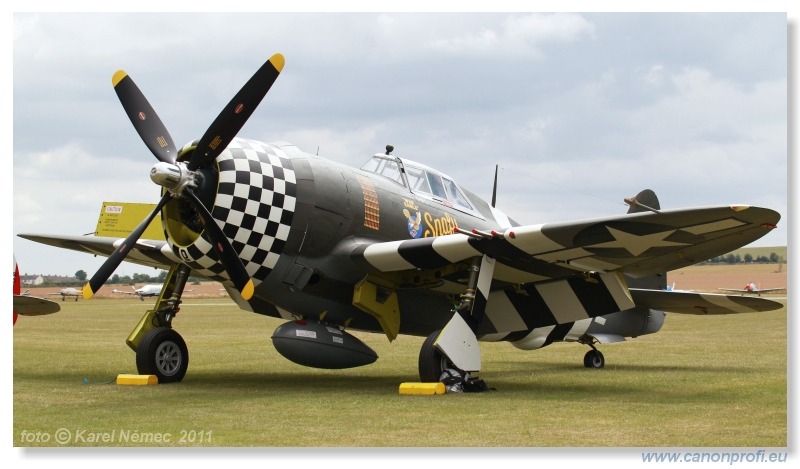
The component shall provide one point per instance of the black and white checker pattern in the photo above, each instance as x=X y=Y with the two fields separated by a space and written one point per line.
x=254 y=207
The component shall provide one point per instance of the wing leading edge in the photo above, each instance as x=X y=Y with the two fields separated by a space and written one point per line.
x=150 y=253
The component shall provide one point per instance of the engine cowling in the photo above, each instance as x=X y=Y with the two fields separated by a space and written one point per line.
x=319 y=345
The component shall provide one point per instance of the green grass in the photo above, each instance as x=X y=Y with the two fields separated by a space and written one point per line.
x=701 y=381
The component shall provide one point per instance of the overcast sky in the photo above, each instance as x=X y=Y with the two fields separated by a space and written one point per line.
x=579 y=110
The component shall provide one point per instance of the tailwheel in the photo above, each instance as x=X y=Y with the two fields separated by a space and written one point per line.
x=594 y=359
x=432 y=362
x=162 y=352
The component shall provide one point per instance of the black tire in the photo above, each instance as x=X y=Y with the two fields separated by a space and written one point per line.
x=431 y=361
x=162 y=352
x=594 y=359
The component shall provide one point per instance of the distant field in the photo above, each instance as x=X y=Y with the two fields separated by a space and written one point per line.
x=701 y=381
x=712 y=277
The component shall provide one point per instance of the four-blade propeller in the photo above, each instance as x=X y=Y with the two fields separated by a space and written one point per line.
x=218 y=136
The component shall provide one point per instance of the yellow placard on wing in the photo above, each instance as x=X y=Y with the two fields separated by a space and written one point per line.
x=118 y=219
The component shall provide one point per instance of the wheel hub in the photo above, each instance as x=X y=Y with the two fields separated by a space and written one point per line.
x=168 y=358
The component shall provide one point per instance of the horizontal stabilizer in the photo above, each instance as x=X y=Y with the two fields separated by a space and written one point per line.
x=25 y=305
x=701 y=303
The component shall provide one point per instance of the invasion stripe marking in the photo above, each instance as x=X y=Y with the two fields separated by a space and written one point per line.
x=578 y=329
x=594 y=296
x=532 y=307
x=562 y=301
x=420 y=253
x=454 y=247
x=558 y=333
x=531 y=239
x=493 y=337
x=503 y=315
x=384 y=257
x=616 y=285
x=536 y=339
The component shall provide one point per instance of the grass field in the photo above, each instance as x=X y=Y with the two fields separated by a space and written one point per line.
x=701 y=381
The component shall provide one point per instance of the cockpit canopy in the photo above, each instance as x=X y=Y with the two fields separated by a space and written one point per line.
x=421 y=180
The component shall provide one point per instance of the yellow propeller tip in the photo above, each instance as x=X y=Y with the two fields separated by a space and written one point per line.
x=118 y=76
x=87 y=292
x=247 y=291
x=278 y=62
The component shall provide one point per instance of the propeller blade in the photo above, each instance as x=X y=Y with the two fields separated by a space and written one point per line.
x=235 y=114
x=227 y=255
x=115 y=259
x=144 y=118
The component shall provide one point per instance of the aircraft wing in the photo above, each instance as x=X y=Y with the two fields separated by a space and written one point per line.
x=638 y=244
x=26 y=305
x=701 y=303
x=151 y=253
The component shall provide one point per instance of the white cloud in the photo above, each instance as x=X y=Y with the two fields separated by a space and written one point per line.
x=518 y=35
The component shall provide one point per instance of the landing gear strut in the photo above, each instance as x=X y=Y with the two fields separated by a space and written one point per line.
x=456 y=345
x=160 y=350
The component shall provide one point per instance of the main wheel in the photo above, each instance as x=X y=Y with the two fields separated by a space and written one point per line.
x=162 y=352
x=594 y=359
x=431 y=361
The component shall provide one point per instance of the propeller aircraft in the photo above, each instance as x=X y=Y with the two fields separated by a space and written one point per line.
x=752 y=288
x=143 y=292
x=68 y=292
x=395 y=247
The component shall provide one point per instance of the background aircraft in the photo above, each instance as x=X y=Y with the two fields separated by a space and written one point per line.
x=68 y=292
x=752 y=288
x=395 y=247
x=145 y=291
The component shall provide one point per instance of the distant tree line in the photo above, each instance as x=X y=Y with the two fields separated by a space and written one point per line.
x=81 y=277
x=747 y=259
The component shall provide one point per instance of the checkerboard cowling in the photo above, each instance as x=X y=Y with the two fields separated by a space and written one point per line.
x=254 y=206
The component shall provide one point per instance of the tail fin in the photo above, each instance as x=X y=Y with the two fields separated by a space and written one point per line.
x=646 y=201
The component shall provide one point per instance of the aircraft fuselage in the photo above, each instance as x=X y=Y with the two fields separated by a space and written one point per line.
x=296 y=219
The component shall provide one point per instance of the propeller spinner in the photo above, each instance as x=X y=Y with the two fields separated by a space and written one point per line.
x=180 y=179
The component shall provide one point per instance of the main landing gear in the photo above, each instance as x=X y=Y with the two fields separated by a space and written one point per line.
x=455 y=347
x=432 y=362
x=160 y=350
